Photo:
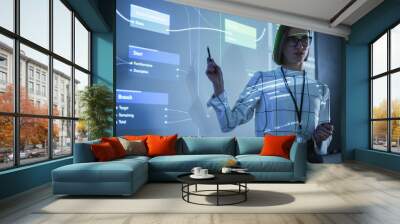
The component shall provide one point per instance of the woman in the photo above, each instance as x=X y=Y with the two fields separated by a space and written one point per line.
x=284 y=100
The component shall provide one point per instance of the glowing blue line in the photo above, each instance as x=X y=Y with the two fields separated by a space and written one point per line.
x=262 y=35
x=198 y=28
x=173 y=122
x=180 y=111
x=123 y=17
x=191 y=28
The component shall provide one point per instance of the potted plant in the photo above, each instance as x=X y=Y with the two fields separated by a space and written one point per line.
x=97 y=103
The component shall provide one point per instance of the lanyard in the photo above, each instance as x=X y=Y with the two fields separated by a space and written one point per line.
x=298 y=111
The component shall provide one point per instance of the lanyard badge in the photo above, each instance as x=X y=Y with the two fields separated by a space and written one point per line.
x=299 y=111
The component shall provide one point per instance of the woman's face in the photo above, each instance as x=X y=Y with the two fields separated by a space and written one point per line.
x=295 y=49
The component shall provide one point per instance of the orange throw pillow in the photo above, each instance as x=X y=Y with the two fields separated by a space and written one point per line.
x=136 y=137
x=103 y=151
x=116 y=145
x=277 y=145
x=161 y=145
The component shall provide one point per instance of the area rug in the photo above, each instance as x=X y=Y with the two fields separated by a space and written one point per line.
x=167 y=198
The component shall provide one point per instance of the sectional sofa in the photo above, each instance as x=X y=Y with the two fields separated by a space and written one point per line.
x=125 y=176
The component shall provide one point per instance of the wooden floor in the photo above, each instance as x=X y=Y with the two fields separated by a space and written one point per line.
x=378 y=188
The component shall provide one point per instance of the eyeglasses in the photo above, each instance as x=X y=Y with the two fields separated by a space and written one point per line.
x=293 y=41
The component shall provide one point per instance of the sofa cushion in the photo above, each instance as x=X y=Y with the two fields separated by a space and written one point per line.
x=161 y=145
x=116 y=145
x=249 y=145
x=207 y=145
x=185 y=163
x=277 y=145
x=111 y=171
x=257 y=163
x=103 y=152
x=135 y=147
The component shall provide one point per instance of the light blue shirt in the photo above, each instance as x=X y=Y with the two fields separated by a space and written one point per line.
x=266 y=96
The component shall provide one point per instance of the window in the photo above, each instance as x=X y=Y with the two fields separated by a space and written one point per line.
x=81 y=81
x=7 y=14
x=30 y=87
x=37 y=75
x=385 y=95
x=6 y=73
x=45 y=131
x=81 y=45
x=30 y=72
x=62 y=29
x=62 y=74
x=37 y=89
x=35 y=22
x=3 y=78
x=44 y=91
x=3 y=61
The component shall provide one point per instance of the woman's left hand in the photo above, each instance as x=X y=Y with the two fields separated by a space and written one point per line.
x=322 y=132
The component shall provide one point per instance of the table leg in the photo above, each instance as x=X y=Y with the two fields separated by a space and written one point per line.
x=196 y=188
x=245 y=193
x=217 y=194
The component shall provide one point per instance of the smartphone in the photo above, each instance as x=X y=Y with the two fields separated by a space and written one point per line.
x=208 y=51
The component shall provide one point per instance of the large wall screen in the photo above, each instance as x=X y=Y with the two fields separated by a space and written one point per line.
x=161 y=86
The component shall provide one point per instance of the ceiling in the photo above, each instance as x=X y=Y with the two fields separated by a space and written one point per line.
x=327 y=16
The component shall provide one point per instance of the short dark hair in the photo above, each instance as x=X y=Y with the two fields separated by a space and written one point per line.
x=280 y=40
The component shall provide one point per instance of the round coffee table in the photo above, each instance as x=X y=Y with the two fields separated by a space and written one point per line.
x=238 y=179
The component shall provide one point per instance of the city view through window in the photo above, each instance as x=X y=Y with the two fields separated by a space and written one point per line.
x=39 y=114
x=385 y=82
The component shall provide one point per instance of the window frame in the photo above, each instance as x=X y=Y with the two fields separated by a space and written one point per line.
x=388 y=74
x=16 y=114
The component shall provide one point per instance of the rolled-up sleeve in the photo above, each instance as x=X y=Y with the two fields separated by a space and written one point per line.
x=324 y=117
x=244 y=107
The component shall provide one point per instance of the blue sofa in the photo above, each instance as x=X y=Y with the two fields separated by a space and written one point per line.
x=125 y=176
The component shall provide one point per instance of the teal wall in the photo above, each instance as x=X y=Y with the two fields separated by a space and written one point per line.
x=356 y=142
x=24 y=178
x=102 y=58
x=102 y=61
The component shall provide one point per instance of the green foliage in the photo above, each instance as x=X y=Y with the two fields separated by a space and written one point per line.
x=97 y=103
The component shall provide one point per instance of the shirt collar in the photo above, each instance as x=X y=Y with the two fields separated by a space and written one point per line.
x=290 y=72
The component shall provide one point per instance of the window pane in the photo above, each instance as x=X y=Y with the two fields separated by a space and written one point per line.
x=62 y=89
x=6 y=74
x=34 y=72
x=33 y=139
x=62 y=138
x=379 y=98
x=379 y=135
x=81 y=131
x=7 y=14
x=35 y=21
x=395 y=47
x=395 y=132
x=81 y=45
x=81 y=81
x=379 y=55
x=62 y=29
x=6 y=142
x=395 y=94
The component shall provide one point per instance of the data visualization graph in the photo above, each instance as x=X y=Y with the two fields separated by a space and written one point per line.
x=161 y=86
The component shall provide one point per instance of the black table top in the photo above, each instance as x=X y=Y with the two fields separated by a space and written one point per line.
x=220 y=178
